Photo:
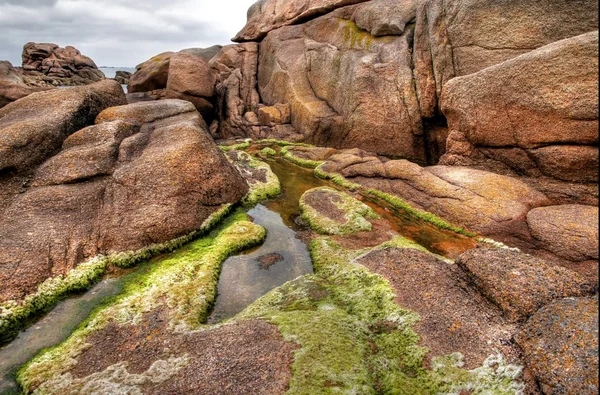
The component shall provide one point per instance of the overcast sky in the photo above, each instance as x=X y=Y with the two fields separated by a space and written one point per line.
x=119 y=32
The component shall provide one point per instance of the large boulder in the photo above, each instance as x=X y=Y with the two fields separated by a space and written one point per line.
x=146 y=173
x=50 y=64
x=482 y=201
x=150 y=75
x=33 y=128
x=536 y=114
x=520 y=284
x=460 y=37
x=569 y=231
x=560 y=346
x=267 y=15
x=346 y=87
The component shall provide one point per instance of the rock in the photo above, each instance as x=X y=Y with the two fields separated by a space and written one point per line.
x=122 y=77
x=536 y=114
x=277 y=114
x=386 y=17
x=191 y=76
x=150 y=75
x=52 y=65
x=456 y=38
x=33 y=128
x=312 y=153
x=482 y=201
x=520 y=284
x=330 y=212
x=205 y=54
x=454 y=317
x=9 y=73
x=267 y=15
x=146 y=173
x=237 y=67
x=560 y=345
x=346 y=87
x=569 y=231
x=12 y=86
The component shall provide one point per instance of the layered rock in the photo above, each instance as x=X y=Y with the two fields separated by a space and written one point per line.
x=267 y=15
x=346 y=87
x=560 y=345
x=536 y=114
x=146 y=173
x=50 y=64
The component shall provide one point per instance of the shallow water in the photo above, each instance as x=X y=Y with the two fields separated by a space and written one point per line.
x=52 y=329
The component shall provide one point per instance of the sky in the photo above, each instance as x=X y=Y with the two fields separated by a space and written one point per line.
x=119 y=32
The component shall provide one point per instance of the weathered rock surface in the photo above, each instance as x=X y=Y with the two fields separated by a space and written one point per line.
x=146 y=173
x=386 y=17
x=455 y=38
x=569 y=231
x=520 y=284
x=12 y=86
x=536 y=114
x=9 y=73
x=346 y=87
x=50 y=64
x=454 y=316
x=33 y=128
x=267 y=15
x=151 y=75
x=122 y=77
x=560 y=345
x=484 y=202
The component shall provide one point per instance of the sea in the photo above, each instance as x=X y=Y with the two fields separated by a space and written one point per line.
x=110 y=72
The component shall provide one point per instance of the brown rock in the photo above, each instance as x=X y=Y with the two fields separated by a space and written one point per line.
x=267 y=15
x=122 y=77
x=455 y=37
x=346 y=87
x=385 y=17
x=528 y=112
x=150 y=75
x=520 y=284
x=569 y=231
x=191 y=75
x=33 y=128
x=146 y=173
x=560 y=345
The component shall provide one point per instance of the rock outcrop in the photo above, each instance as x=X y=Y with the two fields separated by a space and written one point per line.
x=560 y=345
x=146 y=173
x=536 y=114
x=122 y=77
x=49 y=64
x=12 y=86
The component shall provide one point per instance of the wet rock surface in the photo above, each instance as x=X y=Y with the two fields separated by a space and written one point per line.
x=560 y=343
x=521 y=284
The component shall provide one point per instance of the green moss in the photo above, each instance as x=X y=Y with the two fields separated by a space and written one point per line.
x=14 y=316
x=355 y=213
x=401 y=204
x=353 y=338
x=281 y=143
x=268 y=152
x=337 y=179
x=241 y=146
x=311 y=164
x=185 y=283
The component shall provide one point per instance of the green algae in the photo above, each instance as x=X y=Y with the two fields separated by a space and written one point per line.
x=354 y=211
x=281 y=143
x=259 y=190
x=267 y=152
x=240 y=146
x=311 y=164
x=337 y=179
x=354 y=339
x=184 y=282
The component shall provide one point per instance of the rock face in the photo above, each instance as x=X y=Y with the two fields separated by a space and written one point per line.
x=12 y=86
x=484 y=202
x=569 y=231
x=346 y=87
x=33 y=128
x=151 y=75
x=52 y=65
x=520 y=284
x=122 y=77
x=560 y=343
x=536 y=114
x=145 y=173
x=267 y=15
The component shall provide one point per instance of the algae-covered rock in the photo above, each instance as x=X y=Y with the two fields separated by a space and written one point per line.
x=262 y=182
x=560 y=343
x=331 y=212
x=520 y=284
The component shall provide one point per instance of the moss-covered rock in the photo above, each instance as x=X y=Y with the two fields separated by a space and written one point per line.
x=263 y=183
x=331 y=212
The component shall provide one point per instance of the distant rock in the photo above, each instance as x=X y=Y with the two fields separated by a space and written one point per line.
x=50 y=64
x=560 y=346
x=122 y=77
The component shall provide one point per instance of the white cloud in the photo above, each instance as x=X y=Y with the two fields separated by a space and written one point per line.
x=119 y=32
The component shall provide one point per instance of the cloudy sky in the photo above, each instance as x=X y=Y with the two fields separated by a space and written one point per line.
x=119 y=32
